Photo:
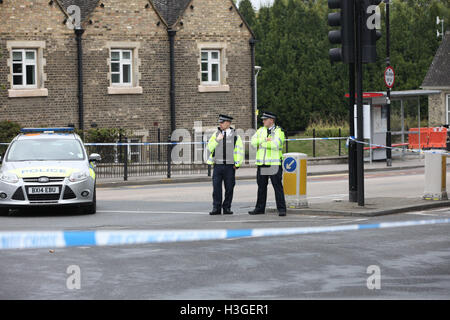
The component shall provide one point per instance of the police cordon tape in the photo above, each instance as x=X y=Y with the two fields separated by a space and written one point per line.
x=185 y=143
x=63 y=239
x=421 y=151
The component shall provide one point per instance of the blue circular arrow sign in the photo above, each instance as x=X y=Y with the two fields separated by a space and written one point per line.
x=290 y=164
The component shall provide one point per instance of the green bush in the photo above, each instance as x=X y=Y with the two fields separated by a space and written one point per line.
x=104 y=135
x=8 y=130
x=327 y=129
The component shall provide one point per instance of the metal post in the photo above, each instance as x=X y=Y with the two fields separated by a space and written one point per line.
x=169 y=157
x=287 y=142
x=314 y=143
x=359 y=91
x=340 y=134
x=352 y=181
x=159 y=146
x=388 y=105
x=257 y=69
x=402 y=118
x=418 y=116
x=125 y=163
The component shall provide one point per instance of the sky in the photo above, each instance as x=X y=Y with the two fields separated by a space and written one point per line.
x=257 y=3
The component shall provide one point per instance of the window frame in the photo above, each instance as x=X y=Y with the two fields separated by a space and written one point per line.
x=210 y=61
x=121 y=63
x=25 y=63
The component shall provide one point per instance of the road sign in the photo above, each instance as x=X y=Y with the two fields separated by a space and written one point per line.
x=290 y=164
x=389 y=77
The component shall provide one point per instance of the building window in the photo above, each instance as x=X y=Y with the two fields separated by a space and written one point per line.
x=26 y=62
x=210 y=67
x=121 y=67
x=24 y=69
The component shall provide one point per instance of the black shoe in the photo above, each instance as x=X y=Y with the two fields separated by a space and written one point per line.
x=255 y=212
x=282 y=213
x=227 y=211
x=215 y=212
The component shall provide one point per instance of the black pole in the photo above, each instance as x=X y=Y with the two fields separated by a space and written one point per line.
x=78 y=33
x=125 y=162
x=352 y=181
x=360 y=120
x=159 y=146
x=314 y=143
x=339 y=141
x=388 y=105
x=172 y=34
x=169 y=157
x=287 y=142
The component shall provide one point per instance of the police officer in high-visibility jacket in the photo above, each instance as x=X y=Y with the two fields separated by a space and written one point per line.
x=269 y=143
x=227 y=154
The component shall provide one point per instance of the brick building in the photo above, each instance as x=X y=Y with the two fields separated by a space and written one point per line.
x=136 y=64
x=438 y=78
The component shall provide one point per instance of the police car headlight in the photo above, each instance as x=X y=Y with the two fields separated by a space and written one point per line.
x=9 y=177
x=78 y=176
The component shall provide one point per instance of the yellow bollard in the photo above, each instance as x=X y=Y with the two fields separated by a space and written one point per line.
x=295 y=179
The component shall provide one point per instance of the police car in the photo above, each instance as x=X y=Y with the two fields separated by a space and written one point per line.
x=47 y=167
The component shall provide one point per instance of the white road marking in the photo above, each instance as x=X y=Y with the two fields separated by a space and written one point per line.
x=159 y=211
x=421 y=213
x=354 y=220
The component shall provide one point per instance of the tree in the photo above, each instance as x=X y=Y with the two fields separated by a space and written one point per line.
x=298 y=82
x=247 y=11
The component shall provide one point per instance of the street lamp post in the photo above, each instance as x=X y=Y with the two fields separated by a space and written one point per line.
x=257 y=69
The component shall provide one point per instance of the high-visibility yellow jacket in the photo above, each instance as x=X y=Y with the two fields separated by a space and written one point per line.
x=214 y=145
x=268 y=152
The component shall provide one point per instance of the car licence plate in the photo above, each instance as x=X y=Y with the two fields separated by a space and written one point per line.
x=43 y=190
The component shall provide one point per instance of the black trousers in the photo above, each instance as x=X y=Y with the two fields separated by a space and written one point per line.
x=276 y=179
x=227 y=174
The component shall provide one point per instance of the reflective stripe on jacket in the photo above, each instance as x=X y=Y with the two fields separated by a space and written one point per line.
x=238 y=150
x=268 y=152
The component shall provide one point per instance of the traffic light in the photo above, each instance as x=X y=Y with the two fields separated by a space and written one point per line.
x=345 y=19
x=370 y=34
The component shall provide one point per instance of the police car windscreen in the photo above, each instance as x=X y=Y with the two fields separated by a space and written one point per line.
x=45 y=149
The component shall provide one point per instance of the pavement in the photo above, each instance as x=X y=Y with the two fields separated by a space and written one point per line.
x=324 y=166
x=372 y=207
x=319 y=167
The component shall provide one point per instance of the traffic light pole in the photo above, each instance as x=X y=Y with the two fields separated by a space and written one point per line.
x=352 y=183
x=359 y=97
x=388 y=105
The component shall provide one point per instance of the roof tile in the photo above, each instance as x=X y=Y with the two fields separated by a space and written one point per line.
x=438 y=74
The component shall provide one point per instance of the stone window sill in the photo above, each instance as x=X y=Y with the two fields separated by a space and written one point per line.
x=26 y=93
x=125 y=90
x=214 y=88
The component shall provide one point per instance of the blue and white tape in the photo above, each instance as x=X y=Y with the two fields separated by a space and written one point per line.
x=62 y=239
x=397 y=148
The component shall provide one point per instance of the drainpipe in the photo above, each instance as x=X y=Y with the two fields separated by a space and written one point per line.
x=172 y=34
x=252 y=83
x=79 y=32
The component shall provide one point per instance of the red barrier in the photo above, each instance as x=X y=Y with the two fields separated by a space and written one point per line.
x=438 y=138
x=429 y=138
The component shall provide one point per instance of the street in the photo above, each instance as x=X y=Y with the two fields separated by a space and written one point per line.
x=413 y=262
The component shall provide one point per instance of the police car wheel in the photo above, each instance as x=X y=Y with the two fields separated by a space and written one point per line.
x=92 y=208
